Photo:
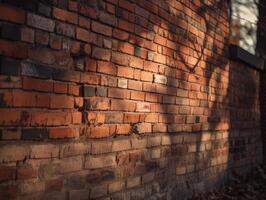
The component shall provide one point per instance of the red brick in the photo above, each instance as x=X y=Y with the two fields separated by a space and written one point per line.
x=131 y=118
x=60 y=88
x=60 y=133
x=7 y=173
x=73 y=5
x=126 y=48
x=119 y=58
x=110 y=8
x=54 y=184
x=62 y=101
x=124 y=25
x=126 y=5
x=99 y=132
x=65 y=15
x=123 y=105
x=88 y=11
x=73 y=90
x=24 y=99
x=37 y=84
x=121 y=35
x=85 y=35
x=84 y=22
x=42 y=100
x=123 y=129
x=26 y=172
x=135 y=85
x=106 y=68
x=8 y=191
x=41 y=37
x=97 y=103
x=76 y=117
x=152 y=118
x=136 y=95
x=9 y=117
x=101 y=28
x=146 y=76
x=100 y=53
x=96 y=118
x=90 y=79
x=55 y=42
x=125 y=72
x=136 y=62
x=118 y=93
x=12 y=14
x=27 y=35
x=90 y=65
x=13 y=49
x=79 y=101
x=50 y=118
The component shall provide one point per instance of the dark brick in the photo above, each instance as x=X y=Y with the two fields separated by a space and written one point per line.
x=65 y=75
x=137 y=51
x=65 y=29
x=44 y=10
x=34 y=134
x=197 y=119
x=36 y=70
x=151 y=165
x=98 y=177
x=63 y=4
x=10 y=31
x=88 y=91
x=101 y=91
x=10 y=67
x=31 y=5
x=119 y=12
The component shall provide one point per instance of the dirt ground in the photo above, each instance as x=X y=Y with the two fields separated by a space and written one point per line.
x=252 y=187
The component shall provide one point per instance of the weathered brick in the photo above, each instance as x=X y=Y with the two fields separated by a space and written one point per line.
x=13 y=152
x=98 y=191
x=101 y=147
x=71 y=164
x=101 y=28
x=121 y=145
x=74 y=149
x=89 y=91
x=82 y=194
x=102 y=54
x=7 y=173
x=65 y=29
x=154 y=141
x=143 y=107
x=44 y=151
x=40 y=22
x=133 y=182
x=26 y=172
x=100 y=162
x=116 y=186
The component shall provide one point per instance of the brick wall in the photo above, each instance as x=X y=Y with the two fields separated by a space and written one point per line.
x=122 y=99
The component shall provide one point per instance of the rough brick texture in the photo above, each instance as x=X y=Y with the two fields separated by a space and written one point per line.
x=122 y=99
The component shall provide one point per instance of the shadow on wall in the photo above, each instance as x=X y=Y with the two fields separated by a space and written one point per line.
x=221 y=97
